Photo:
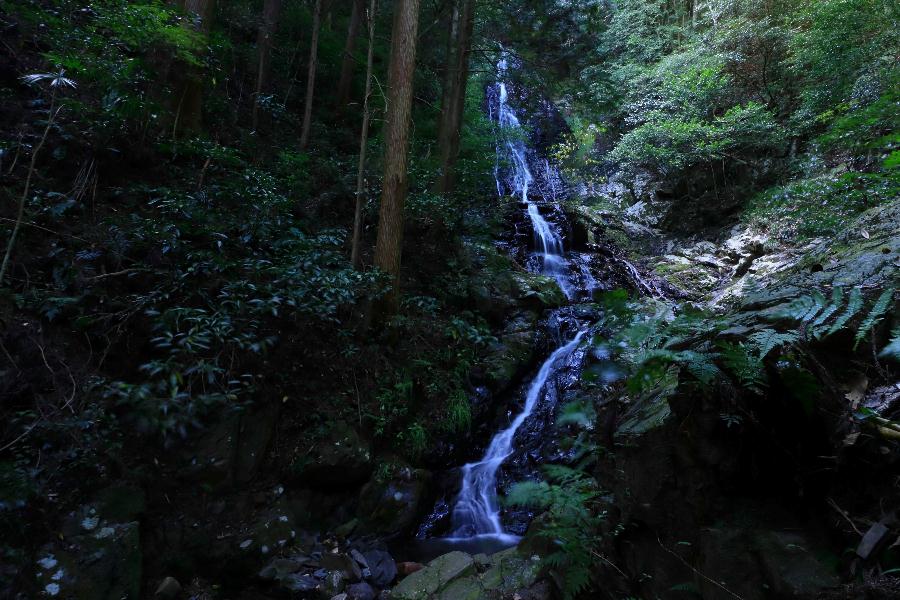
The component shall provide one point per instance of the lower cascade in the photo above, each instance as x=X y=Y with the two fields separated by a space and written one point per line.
x=476 y=512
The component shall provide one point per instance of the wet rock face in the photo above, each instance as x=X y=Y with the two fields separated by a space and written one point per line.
x=341 y=461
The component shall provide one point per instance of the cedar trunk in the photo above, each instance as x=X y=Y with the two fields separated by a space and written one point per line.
x=311 y=75
x=356 y=257
x=189 y=111
x=399 y=106
x=264 y=41
x=346 y=80
x=455 y=99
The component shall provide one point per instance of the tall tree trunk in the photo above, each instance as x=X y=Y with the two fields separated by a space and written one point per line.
x=346 y=80
x=363 y=139
x=264 y=41
x=311 y=75
x=399 y=106
x=449 y=63
x=189 y=111
x=452 y=111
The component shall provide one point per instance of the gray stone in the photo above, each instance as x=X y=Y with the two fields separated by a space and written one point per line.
x=169 y=588
x=382 y=568
x=299 y=583
x=104 y=563
x=361 y=591
x=343 y=563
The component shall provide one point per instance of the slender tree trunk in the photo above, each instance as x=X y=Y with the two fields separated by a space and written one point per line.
x=399 y=107
x=363 y=140
x=449 y=64
x=264 y=40
x=311 y=75
x=346 y=80
x=452 y=111
x=189 y=111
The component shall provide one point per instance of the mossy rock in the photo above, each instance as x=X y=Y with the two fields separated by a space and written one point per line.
x=437 y=576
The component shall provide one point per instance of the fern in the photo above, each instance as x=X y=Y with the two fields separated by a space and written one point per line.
x=875 y=315
x=854 y=305
x=768 y=339
x=700 y=365
x=571 y=524
x=892 y=350
x=745 y=365
x=802 y=309
x=837 y=300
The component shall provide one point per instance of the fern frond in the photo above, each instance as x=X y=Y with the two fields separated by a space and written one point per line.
x=745 y=365
x=892 y=350
x=837 y=300
x=875 y=315
x=700 y=365
x=854 y=305
x=769 y=339
x=803 y=309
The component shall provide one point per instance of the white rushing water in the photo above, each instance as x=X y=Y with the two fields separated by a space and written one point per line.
x=476 y=514
x=548 y=243
x=477 y=511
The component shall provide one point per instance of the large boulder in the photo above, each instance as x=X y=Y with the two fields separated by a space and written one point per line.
x=231 y=451
x=514 y=352
x=390 y=507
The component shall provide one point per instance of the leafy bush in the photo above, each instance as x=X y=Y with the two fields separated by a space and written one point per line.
x=671 y=145
x=820 y=206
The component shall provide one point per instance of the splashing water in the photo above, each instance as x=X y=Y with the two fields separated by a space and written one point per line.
x=477 y=511
x=548 y=242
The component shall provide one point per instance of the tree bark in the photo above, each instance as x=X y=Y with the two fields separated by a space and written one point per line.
x=452 y=111
x=356 y=257
x=447 y=81
x=264 y=41
x=346 y=80
x=399 y=106
x=189 y=111
x=311 y=75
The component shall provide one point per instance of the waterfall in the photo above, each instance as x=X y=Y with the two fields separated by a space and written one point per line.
x=476 y=511
x=548 y=242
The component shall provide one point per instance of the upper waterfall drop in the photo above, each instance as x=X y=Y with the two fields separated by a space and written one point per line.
x=548 y=243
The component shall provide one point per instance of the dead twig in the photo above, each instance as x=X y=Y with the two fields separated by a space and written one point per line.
x=21 y=210
x=696 y=572
x=844 y=514
x=117 y=273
